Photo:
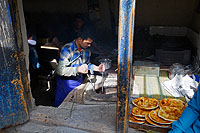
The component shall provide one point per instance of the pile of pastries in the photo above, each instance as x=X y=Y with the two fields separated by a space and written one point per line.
x=155 y=112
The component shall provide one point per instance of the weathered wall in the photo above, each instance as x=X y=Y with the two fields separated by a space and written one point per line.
x=194 y=33
x=52 y=6
x=24 y=40
x=148 y=12
x=196 y=22
x=46 y=13
x=164 y=12
x=50 y=12
x=24 y=34
x=196 y=18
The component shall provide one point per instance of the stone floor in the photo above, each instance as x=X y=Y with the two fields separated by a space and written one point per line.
x=97 y=118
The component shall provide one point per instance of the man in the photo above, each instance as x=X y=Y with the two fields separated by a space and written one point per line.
x=33 y=56
x=79 y=24
x=73 y=63
x=66 y=36
x=34 y=64
x=189 y=121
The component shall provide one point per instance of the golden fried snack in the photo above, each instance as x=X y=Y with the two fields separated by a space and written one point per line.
x=131 y=119
x=146 y=103
x=139 y=112
x=170 y=113
x=172 y=102
x=153 y=115
x=138 y=118
x=153 y=123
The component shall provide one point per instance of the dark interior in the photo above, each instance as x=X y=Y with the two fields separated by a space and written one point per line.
x=48 y=19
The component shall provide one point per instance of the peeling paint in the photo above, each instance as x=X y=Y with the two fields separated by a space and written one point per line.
x=11 y=114
x=125 y=45
x=13 y=107
x=18 y=85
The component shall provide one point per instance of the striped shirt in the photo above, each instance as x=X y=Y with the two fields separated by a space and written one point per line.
x=71 y=59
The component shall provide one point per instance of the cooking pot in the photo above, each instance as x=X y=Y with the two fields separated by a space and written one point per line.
x=106 y=62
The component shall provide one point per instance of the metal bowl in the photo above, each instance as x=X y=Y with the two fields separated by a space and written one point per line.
x=106 y=62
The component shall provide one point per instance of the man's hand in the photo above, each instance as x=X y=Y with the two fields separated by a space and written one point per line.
x=83 y=69
x=102 y=67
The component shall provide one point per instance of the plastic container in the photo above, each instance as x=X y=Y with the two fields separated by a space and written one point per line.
x=106 y=62
x=176 y=68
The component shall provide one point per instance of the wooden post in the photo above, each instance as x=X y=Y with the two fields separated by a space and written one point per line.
x=125 y=52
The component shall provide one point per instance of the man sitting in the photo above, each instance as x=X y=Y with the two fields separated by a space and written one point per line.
x=73 y=63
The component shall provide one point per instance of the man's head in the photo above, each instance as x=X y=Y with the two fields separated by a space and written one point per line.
x=84 y=43
x=84 y=39
x=32 y=40
x=78 y=22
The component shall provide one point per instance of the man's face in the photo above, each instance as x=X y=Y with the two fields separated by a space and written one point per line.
x=86 y=43
x=79 y=23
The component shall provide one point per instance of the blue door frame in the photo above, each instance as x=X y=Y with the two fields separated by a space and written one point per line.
x=125 y=53
x=15 y=98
